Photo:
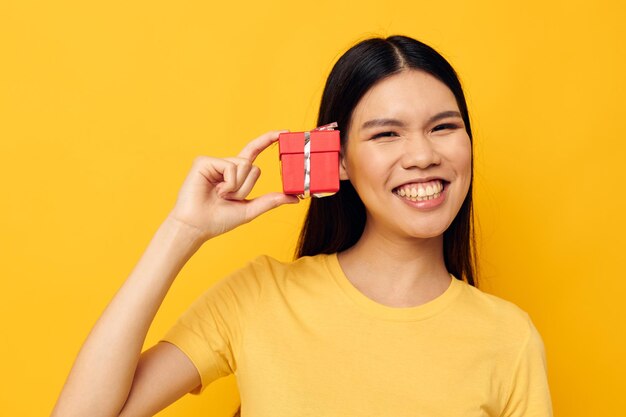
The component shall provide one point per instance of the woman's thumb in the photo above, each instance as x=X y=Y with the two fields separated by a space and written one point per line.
x=266 y=202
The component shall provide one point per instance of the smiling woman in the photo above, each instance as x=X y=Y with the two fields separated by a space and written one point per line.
x=398 y=172
x=398 y=83
x=379 y=315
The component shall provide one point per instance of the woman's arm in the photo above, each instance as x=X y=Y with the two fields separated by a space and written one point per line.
x=109 y=375
x=102 y=375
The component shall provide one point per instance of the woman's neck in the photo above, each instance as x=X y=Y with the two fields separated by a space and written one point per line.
x=400 y=272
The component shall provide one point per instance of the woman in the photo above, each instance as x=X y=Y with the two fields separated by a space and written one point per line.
x=378 y=316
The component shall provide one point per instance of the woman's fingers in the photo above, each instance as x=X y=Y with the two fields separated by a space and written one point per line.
x=234 y=177
x=216 y=170
x=221 y=174
x=258 y=145
x=244 y=180
x=242 y=171
x=246 y=187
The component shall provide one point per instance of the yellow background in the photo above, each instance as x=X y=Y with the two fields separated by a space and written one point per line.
x=104 y=105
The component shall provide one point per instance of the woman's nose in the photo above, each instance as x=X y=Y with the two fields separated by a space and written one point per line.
x=420 y=152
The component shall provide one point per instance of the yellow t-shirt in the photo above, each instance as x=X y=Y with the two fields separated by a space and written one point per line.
x=303 y=341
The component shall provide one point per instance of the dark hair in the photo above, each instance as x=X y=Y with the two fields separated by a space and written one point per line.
x=335 y=223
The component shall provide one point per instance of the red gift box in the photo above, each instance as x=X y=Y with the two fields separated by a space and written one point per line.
x=320 y=155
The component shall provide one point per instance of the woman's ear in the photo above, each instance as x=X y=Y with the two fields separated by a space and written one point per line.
x=343 y=173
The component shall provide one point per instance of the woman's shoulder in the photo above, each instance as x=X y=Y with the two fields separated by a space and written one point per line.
x=267 y=266
x=268 y=269
x=496 y=313
x=264 y=274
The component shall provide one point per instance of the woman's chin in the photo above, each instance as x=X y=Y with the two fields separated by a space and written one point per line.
x=425 y=235
x=425 y=232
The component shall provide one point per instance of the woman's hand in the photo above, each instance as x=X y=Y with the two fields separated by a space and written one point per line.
x=212 y=199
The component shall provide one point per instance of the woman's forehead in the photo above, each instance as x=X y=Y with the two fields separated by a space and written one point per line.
x=410 y=94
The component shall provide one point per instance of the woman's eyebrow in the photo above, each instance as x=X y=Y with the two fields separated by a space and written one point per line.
x=444 y=115
x=382 y=122
x=399 y=123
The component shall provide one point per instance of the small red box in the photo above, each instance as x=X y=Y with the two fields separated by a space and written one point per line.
x=324 y=162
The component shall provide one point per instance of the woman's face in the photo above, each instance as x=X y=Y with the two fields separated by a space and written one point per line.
x=408 y=155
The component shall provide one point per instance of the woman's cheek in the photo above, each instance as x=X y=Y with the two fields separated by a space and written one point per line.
x=463 y=154
x=466 y=164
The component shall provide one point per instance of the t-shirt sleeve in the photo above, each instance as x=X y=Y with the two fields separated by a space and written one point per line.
x=210 y=331
x=529 y=390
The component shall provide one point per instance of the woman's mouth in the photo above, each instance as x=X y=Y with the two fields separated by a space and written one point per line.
x=421 y=191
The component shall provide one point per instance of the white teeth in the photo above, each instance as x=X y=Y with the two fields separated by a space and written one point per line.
x=417 y=192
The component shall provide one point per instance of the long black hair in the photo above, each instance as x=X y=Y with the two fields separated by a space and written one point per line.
x=335 y=223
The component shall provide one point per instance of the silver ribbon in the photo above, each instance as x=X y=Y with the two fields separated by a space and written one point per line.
x=307 y=162
x=307 y=165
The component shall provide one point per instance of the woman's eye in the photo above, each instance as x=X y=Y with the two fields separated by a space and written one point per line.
x=384 y=134
x=445 y=126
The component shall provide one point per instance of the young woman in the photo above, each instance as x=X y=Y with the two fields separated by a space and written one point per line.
x=379 y=315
